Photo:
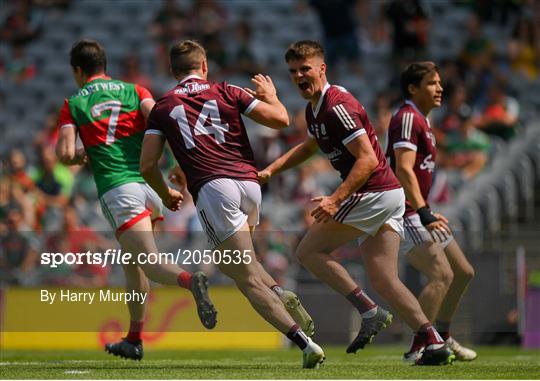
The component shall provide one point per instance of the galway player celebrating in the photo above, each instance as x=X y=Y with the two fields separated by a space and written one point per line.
x=367 y=206
x=109 y=116
x=202 y=123
x=429 y=244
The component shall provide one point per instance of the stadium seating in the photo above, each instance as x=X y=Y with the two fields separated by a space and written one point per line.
x=504 y=192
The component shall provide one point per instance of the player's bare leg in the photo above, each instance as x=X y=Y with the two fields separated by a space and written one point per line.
x=289 y=299
x=315 y=247
x=136 y=281
x=131 y=347
x=140 y=239
x=313 y=252
x=463 y=274
x=380 y=257
x=249 y=281
x=430 y=260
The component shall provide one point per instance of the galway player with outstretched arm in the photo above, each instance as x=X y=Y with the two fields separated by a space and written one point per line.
x=368 y=205
x=202 y=123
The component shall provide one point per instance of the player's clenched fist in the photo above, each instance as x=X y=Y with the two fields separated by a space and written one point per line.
x=173 y=200
x=264 y=176
x=326 y=210
x=264 y=88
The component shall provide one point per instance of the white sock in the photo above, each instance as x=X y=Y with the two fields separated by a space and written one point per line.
x=369 y=314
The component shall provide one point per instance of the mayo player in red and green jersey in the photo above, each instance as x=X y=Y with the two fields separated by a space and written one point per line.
x=110 y=118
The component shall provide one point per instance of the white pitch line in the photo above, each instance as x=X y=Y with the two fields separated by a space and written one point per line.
x=6 y=363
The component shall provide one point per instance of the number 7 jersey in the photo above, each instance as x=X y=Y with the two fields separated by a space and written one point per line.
x=202 y=123
x=107 y=116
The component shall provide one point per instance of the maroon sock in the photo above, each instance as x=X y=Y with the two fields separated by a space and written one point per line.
x=417 y=343
x=277 y=289
x=298 y=337
x=429 y=335
x=444 y=329
x=184 y=280
x=361 y=301
x=135 y=330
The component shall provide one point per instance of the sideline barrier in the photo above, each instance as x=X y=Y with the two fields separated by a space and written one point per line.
x=171 y=323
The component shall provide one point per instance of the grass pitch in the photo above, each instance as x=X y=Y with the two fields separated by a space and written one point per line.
x=376 y=362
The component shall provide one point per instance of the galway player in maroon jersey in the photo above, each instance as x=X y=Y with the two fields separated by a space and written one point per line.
x=429 y=245
x=367 y=206
x=202 y=123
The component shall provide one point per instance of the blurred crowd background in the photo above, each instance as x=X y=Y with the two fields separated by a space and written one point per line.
x=488 y=53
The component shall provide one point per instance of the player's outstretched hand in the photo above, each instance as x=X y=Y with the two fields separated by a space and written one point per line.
x=264 y=88
x=439 y=229
x=326 y=209
x=173 y=200
x=264 y=176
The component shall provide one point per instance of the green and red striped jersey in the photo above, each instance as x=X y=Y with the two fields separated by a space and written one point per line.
x=107 y=115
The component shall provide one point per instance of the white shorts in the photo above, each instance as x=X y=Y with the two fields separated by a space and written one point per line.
x=417 y=234
x=224 y=206
x=126 y=204
x=370 y=211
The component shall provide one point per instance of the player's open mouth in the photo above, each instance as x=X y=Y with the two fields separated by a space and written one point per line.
x=303 y=86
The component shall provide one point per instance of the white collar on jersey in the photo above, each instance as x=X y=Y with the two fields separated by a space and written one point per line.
x=411 y=103
x=191 y=76
x=319 y=103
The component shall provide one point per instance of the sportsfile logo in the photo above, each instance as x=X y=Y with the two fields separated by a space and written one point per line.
x=428 y=163
x=119 y=257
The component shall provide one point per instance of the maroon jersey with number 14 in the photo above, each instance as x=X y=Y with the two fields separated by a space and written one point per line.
x=202 y=123
x=410 y=129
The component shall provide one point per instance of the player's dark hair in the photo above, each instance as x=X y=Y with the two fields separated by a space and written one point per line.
x=414 y=73
x=186 y=56
x=89 y=55
x=301 y=50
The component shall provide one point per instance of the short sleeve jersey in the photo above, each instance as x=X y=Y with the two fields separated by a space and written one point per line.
x=336 y=121
x=107 y=116
x=410 y=129
x=202 y=123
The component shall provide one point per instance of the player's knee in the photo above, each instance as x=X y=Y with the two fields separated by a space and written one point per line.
x=443 y=276
x=447 y=277
x=465 y=274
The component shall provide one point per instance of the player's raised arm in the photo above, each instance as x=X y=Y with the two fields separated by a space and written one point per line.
x=269 y=111
x=292 y=158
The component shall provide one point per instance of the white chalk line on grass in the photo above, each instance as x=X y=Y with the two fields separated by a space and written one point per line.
x=56 y=362
x=49 y=362
x=76 y=371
